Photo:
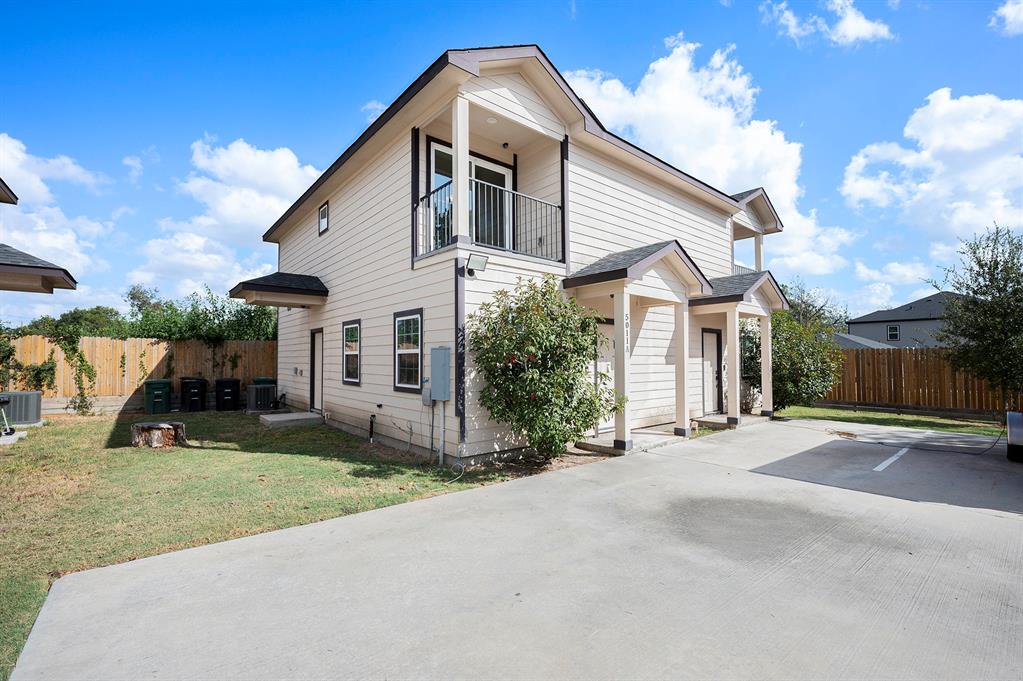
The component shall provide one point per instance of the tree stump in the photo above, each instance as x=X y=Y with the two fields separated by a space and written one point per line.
x=158 y=434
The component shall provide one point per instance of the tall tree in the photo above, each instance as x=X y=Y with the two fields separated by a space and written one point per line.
x=813 y=306
x=983 y=327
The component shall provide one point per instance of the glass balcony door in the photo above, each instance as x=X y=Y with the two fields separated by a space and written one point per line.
x=490 y=205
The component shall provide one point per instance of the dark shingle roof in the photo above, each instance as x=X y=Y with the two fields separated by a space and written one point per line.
x=848 y=341
x=630 y=264
x=742 y=195
x=21 y=263
x=738 y=287
x=12 y=256
x=931 y=307
x=284 y=282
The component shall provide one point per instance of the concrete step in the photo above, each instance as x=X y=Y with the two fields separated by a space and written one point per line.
x=294 y=418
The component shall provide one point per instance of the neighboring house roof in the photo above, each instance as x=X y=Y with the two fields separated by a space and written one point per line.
x=283 y=282
x=19 y=269
x=740 y=287
x=631 y=264
x=848 y=341
x=469 y=60
x=931 y=307
x=7 y=195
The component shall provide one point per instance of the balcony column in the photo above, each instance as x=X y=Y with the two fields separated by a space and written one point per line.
x=758 y=245
x=623 y=430
x=766 y=368
x=460 y=170
x=733 y=362
x=682 y=369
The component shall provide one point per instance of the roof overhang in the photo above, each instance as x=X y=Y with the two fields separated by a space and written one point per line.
x=689 y=273
x=35 y=279
x=455 y=67
x=766 y=285
x=308 y=292
x=7 y=195
x=758 y=202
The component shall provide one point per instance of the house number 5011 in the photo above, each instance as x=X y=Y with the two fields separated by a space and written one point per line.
x=626 y=332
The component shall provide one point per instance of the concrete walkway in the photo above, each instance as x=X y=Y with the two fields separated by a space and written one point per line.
x=681 y=562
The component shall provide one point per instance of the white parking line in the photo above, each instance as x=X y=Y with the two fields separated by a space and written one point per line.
x=892 y=459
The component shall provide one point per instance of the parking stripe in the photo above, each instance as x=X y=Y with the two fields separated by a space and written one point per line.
x=891 y=459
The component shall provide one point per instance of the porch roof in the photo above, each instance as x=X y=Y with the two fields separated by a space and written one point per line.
x=20 y=271
x=633 y=263
x=740 y=288
x=282 y=289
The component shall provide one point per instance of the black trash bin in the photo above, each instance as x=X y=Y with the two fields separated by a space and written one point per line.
x=193 y=393
x=228 y=394
x=264 y=380
x=158 y=395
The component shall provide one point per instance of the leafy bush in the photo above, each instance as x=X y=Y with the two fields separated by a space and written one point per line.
x=534 y=348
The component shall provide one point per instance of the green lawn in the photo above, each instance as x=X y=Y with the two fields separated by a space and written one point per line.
x=877 y=418
x=74 y=496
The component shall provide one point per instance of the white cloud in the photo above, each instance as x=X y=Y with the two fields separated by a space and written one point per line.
x=1008 y=18
x=721 y=142
x=876 y=296
x=965 y=171
x=191 y=261
x=894 y=272
x=850 y=25
x=21 y=308
x=27 y=174
x=243 y=189
x=135 y=168
x=375 y=107
x=942 y=252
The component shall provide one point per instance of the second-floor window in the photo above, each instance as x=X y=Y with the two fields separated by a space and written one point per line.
x=893 y=332
x=324 y=221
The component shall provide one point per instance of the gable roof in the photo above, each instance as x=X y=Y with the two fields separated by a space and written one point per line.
x=631 y=264
x=469 y=61
x=759 y=195
x=22 y=263
x=848 y=341
x=931 y=307
x=740 y=287
x=283 y=282
x=7 y=195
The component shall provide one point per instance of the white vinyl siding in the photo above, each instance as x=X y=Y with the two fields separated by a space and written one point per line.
x=509 y=95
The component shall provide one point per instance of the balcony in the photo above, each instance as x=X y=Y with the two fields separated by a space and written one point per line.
x=742 y=269
x=501 y=218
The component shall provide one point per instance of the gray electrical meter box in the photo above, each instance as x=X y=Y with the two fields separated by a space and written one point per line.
x=440 y=373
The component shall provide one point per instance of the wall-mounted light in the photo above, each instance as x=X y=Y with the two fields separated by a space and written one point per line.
x=491 y=120
x=477 y=263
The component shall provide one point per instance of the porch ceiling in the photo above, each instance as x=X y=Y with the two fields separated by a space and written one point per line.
x=502 y=130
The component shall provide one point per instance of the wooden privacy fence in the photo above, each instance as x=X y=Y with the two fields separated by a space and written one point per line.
x=919 y=378
x=123 y=365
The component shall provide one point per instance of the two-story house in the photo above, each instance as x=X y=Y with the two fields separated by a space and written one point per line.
x=488 y=169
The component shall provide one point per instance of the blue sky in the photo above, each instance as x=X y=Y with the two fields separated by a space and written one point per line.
x=155 y=144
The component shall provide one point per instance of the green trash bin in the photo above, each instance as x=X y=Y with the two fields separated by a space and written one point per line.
x=264 y=380
x=158 y=396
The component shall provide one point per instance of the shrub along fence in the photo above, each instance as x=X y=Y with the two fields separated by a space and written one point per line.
x=912 y=378
x=123 y=365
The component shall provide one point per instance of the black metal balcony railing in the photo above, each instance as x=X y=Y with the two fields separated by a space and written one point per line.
x=500 y=218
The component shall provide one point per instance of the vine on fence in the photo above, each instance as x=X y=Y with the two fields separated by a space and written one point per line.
x=84 y=373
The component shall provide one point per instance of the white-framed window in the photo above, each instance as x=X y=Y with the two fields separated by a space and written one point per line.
x=893 y=332
x=324 y=217
x=351 y=339
x=408 y=350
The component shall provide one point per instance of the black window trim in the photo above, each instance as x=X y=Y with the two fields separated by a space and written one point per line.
x=357 y=323
x=325 y=204
x=898 y=332
x=394 y=350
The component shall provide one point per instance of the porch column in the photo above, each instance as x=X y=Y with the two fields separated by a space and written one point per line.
x=733 y=361
x=623 y=430
x=766 y=365
x=682 y=369
x=460 y=169
x=758 y=247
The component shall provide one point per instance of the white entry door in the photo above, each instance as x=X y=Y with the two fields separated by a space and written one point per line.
x=711 y=372
x=605 y=364
x=316 y=371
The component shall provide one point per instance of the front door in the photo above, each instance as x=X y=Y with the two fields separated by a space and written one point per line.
x=711 y=371
x=605 y=365
x=316 y=370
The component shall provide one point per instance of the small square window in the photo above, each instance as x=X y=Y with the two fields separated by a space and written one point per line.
x=324 y=223
x=351 y=333
x=893 y=332
x=408 y=350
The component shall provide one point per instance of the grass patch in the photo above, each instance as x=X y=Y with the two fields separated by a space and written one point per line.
x=878 y=418
x=74 y=495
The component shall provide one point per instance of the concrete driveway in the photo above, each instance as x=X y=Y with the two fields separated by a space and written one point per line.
x=775 y=551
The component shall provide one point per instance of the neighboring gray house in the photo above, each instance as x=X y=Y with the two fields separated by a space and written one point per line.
x=912 y=325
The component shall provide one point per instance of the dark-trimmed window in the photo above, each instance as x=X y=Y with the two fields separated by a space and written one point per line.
x=893 y=332
x=351 y=351
x=408 y=350
x=324 y=217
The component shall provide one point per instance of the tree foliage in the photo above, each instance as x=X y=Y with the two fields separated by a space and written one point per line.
x=983 y=326
x=813 y=306
x=534 y=349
